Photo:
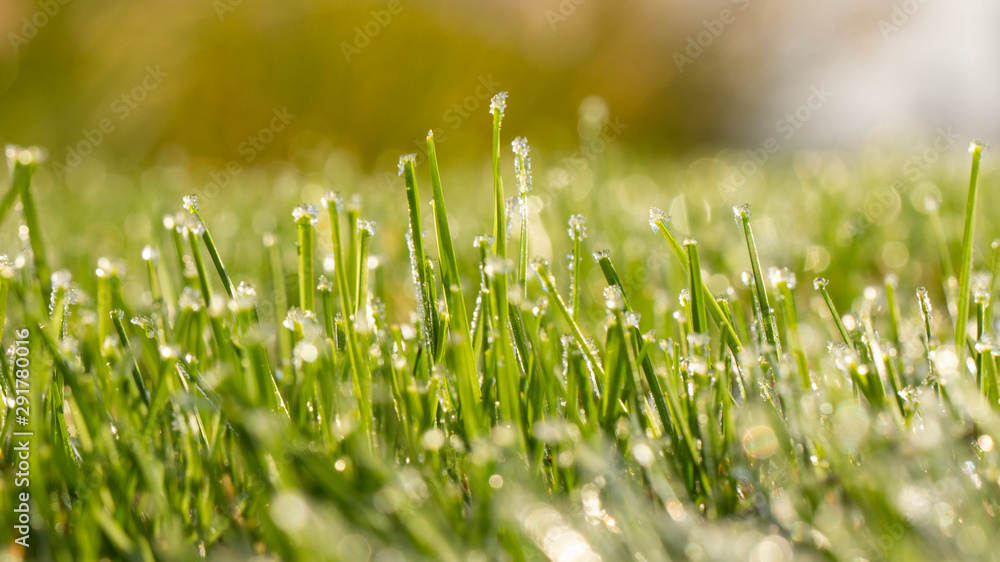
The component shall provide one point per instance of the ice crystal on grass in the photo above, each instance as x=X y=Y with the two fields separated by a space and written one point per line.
x=577 y=228
x=306 y=214
x=190 y=203
x=498 y=103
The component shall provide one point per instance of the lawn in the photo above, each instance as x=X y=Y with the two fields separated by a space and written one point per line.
x=303 y=365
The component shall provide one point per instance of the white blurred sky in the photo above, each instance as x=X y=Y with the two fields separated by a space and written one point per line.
x=940 y=69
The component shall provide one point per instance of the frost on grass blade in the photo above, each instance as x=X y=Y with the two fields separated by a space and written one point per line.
x=190 y=203
x=298 y=318
x=496 y=265
x=306 y=214
x=601 y=254
x=365 y=225
x=925 y=303
x=246 y=296
x=657 y=217
x=632 y=319
x=193 y=226
x=405 y=159
x=146 y=324
x=522 y=163
x=739 y=211
x=578 y=228
x=781 y=276
x=820 y=283
x=978 y=145
x=613 y=298
x=332 y=198
x=483 y=241
x=498 y=103
x=324 y=285
x=190 y=299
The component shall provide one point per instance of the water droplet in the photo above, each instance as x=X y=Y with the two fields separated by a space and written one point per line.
x=332 y=198
x=149 y=253
x=656 y=217
x=404 y=160
x=978 y=144
x=365 y=225
x=498 y=103
x=190 y=203
x=602 y=254
x=305 y=213
x=577 y=228
x=739 y=211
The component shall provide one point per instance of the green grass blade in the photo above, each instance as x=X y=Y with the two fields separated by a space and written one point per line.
x=965 y=262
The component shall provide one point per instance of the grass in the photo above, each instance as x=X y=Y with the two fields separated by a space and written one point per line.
x=352 y=395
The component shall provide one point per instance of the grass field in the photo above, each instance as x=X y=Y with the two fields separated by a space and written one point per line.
x=260 y=370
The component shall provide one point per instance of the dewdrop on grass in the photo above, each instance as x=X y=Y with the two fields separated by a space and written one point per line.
x=522 y=172
x=332 y=198
x=306 y=213
x=194 y=226
x=601 y=254
x=190 y=203
x=406 y=159
x=149 y=253
x=146 y=324
x=578 y=228
x=781 y=276
x=482 y=241
x=978 y=144
x=246 y=296
x=656 y=216
x=820 y=283
x=324 y=285
x=739 y=211
x=498 y=103
x=699 y=339
x=297 y=317
x=925 y=301
x=61 y=280
x=368 y=226
x=24 y=156
x=496 y=265
x=190 y=299
x=613 y=298
x=632 y=319
x=684 y=297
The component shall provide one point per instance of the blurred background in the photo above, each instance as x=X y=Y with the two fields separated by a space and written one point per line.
x=838 y=121
x=133 y=81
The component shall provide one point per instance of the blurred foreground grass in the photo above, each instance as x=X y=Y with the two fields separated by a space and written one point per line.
x=262 y=371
